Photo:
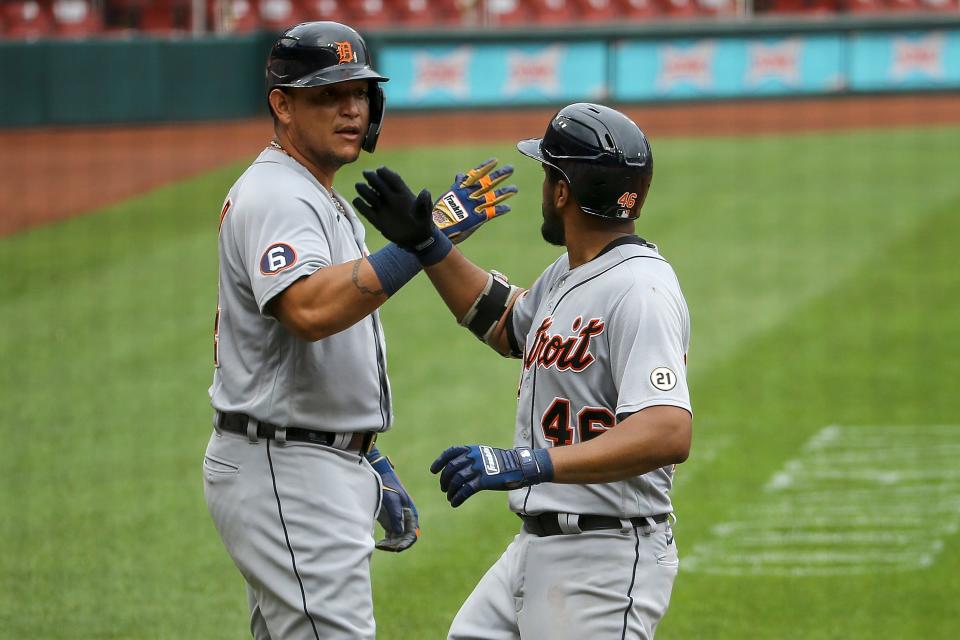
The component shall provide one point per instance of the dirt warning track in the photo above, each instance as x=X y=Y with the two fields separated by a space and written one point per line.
x=53 y=173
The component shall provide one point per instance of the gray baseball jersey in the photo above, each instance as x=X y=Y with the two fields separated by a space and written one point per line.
x=279 y=225
x=606 y=339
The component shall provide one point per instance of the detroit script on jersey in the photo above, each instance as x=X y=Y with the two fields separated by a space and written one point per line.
x=564 y=352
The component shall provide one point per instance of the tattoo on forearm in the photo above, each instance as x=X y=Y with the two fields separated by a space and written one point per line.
x=356 y=282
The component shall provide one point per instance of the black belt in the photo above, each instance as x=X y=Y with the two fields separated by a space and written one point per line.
x=548 y=524
x=361 y=441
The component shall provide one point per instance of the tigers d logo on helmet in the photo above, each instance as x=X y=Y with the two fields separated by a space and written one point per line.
x=345 y=52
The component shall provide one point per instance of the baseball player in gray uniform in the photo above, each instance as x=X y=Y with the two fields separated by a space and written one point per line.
x=293 y=480
x=603 y=407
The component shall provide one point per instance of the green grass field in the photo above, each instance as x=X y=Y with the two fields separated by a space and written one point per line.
x=823 y=282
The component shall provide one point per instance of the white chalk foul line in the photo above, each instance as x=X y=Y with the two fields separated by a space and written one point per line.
x=856 y=500
x=831 y=538
x=830 y=524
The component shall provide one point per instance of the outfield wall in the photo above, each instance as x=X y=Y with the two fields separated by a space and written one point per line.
x=676 y=67
x=138 y=80
x=151 y=79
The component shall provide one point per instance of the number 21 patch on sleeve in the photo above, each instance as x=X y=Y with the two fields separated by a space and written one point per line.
x=663 y=378
x=278 y=257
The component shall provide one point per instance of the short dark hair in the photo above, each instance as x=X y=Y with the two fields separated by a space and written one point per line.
x=553 y=174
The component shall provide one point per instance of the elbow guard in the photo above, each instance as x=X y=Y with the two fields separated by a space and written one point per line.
x=482 y=318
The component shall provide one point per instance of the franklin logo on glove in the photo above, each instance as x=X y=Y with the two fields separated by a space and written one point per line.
x=449 y=211
x=490 y=464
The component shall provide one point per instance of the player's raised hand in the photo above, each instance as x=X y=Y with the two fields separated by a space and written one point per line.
x=403 y=218
x=398 y=515
x=464 y=470
x=474 y=197
x=390 y=206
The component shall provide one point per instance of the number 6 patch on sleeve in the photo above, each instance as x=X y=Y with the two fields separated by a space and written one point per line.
x=278 y=257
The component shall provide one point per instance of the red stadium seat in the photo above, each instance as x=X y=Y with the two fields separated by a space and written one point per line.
x=808 y=7
x=233 y=16
x=597 y=10
x=552 y=11
x=371 y=14
x=679 y=8
x=425 y=13
x=717 y=7
x=945 y=6
x=638 y=9
x=507 y=13
x=332 y=10
x=25 y=20
x=165 y=16
x=864 y=6
x=277 y=15
x=904 y=5
x=121 y=15
x=75 y=18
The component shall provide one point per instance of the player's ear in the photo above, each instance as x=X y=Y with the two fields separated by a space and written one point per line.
x=282 y=106
x=561 y=194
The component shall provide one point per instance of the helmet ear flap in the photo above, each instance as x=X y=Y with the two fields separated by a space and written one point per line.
x=378 y=105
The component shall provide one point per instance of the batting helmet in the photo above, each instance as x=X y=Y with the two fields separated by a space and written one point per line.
x=602 y=154
x=313 y=54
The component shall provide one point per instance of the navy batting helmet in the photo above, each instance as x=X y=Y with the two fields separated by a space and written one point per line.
x=602 y=154
x=313 y=54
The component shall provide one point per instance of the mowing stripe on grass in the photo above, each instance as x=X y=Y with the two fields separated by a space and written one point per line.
x=856 y=500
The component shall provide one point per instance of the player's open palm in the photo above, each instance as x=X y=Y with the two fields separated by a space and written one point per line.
x=474 y=197
x=390 y=206
x=405 y=219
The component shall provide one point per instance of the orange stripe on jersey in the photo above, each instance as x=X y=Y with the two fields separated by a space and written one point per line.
x=223 y=214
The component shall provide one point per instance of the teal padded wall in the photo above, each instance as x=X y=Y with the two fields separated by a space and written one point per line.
x=56 y=82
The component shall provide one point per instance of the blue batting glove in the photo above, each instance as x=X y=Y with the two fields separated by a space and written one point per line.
x=468 y=469
x=473 y=198
x=398 y=515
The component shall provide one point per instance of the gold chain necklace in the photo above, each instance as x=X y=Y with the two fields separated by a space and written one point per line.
x=330 y=192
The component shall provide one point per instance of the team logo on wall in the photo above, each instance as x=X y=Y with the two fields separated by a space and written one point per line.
x=923 y=56
x=686 y=65
x=774 y=61
x=446 y=73
x=536 y=71
x=278 y=257
x=564 y=352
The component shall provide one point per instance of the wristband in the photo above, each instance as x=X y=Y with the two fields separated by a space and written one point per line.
x=394 y=267
x=433 y=249
x=545 y=464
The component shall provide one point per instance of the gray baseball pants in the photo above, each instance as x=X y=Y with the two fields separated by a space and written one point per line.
x=297 y=519
x=613 y=584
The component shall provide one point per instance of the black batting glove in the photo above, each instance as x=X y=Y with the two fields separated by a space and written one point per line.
x=390 y=206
